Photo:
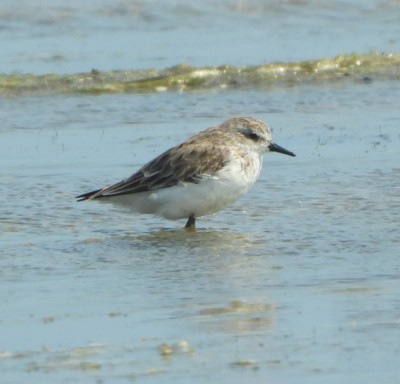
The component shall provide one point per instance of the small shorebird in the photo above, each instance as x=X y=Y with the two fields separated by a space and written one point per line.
x=203 y=175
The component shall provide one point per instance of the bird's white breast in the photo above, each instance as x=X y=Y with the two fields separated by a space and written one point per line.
x=211 y=194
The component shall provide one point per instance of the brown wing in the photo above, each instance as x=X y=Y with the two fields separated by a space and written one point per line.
x=186 y=163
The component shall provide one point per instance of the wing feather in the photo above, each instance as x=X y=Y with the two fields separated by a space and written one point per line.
x=186 y=163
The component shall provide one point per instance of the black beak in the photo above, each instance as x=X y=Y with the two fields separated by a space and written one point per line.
x=277 y=148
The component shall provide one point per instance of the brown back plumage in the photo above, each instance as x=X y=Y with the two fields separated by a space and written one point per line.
x=186 y=163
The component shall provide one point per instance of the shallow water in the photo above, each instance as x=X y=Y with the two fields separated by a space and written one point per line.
x=298 y=279
x=42 y=36
x=297 y=282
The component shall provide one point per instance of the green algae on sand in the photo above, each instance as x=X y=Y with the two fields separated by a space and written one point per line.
x=361 y=67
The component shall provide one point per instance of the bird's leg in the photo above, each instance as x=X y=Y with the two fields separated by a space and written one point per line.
x=190 y=225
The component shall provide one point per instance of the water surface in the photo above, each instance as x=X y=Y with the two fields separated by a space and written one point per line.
x=298 y=279
x=297 y=282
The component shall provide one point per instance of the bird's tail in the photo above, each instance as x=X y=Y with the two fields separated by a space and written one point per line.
x=88 y=195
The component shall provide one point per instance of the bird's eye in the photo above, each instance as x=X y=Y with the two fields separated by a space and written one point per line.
x=250 y=134
x=254 y=136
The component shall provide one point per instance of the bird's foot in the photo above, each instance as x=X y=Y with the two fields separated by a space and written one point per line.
x=191 y=223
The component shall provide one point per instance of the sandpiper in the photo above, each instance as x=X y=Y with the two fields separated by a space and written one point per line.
x=203 y=175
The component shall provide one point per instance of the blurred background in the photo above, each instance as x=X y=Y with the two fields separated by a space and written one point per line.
x=42 y=37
